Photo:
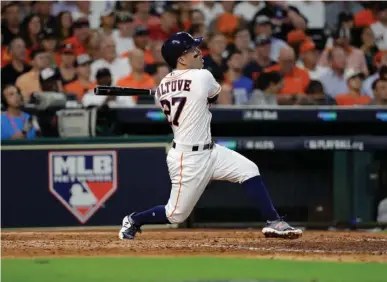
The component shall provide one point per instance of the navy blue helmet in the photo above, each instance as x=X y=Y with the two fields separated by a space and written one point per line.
x=177 y=45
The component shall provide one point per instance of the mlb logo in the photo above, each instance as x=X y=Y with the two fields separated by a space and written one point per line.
x=82 y=180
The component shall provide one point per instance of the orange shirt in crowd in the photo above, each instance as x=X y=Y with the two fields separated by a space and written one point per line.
x=294 y=82
x=350 y=100
x=145 y=82
x=79 y=48
x=78 y=89
x=364 y=18
x=147 y=53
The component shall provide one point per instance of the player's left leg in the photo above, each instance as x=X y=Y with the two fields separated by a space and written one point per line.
x=234 y=167
x=190 y=173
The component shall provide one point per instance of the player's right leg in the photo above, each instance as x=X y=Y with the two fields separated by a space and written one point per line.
x=190 y=173
x=234 y=167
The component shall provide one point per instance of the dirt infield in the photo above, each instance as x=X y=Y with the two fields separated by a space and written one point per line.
x=336 y=246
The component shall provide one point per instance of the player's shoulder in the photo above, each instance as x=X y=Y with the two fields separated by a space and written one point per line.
x=202 y=73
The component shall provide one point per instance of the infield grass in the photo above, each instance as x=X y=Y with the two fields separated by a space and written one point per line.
x=129 y=269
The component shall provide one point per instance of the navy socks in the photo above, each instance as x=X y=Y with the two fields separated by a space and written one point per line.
x=155 y=215
x=258 y=192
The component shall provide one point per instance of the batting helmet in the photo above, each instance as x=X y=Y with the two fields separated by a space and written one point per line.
x=177 y=45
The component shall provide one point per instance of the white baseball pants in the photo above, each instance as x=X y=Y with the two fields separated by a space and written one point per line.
x=190 y=173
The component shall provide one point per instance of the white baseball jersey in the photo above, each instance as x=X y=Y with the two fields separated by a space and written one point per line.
x=183 y=94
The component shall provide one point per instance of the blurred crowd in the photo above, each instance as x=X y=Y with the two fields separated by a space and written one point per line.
x=262 y=52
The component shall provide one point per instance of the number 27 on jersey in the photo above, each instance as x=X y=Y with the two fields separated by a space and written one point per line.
x=168 y=104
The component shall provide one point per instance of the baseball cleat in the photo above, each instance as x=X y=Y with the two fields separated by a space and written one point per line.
x=280 y=229
x=129 y=229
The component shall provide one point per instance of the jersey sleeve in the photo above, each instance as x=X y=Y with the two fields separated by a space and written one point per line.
x=212 y=87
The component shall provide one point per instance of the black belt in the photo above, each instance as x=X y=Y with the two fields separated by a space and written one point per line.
x=196 y=147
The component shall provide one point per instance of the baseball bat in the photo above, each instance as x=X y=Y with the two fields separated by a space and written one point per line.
x=121 y=91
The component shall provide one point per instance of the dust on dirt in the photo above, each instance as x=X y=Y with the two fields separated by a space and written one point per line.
x=336 y=246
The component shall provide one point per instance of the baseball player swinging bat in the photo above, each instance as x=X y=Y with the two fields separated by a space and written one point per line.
x=194 y=160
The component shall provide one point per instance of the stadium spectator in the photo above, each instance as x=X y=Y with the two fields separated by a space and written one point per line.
x=355 y=57
x=379 y=28
x=309 y=57
x=198 y=27
x=380 y=62
x=166 y=27
x=119 y=67
x=242 y=43
x=353 y=96
x=10 y=22
x=17 y=65
x=141 y=41
x=197 y=17
x=142 y=14
x=48 y=43
x=210 y=10
x=157 y=57
x=380 y=92
x=183 y=9
x=81 y=35
x=334 y=8
x=227 y=22
x=284 y=18
x=50 y=81
x=15 y=124
x=104 y=77
x=369 y=47
x=137 y=78
x=264 y=26
x=266 y=88
x=313 y=11
x=315 y=90
x=30 y=29
x=333 y=81
x=162 y=70
x=346 y=21
x=108 y=21
x=247 y=9
x=241 y=85
x=261 y=58
x=83 y=83
x=64 y=26
x=93 y=45
x=66 y=69
x=214 y=61
x=43 y=10
x=29 y=81
x=123 y=35
x=295 y=79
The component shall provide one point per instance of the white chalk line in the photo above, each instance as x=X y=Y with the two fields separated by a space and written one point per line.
x=288 y=250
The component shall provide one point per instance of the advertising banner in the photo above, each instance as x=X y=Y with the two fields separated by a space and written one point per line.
x=69 y=185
